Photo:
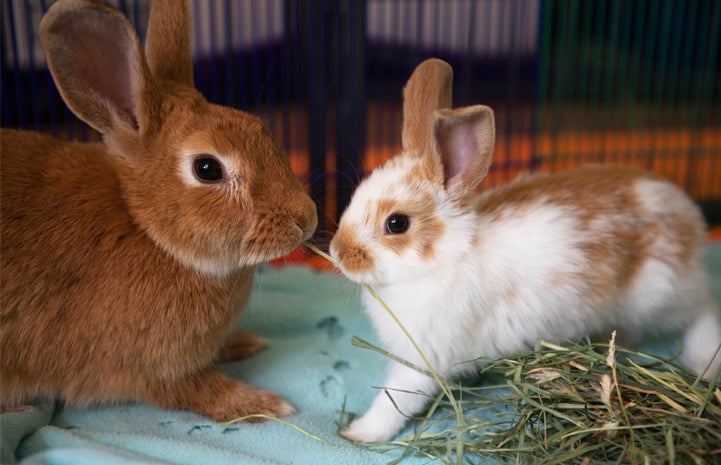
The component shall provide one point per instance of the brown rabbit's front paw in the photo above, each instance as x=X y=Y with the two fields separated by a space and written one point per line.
x=241 y=344
x=247 y=401
x=242 y=402
x=211 y=393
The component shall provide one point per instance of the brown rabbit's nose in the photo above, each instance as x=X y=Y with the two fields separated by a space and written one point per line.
x=306 y=217
x=298 y=207
x=291 y=203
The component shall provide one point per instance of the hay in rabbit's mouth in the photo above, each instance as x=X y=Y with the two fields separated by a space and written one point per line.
x=576 y=403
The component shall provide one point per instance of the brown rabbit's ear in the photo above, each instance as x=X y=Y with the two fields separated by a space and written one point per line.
x=167 y=45
x=98 y=65
x=428 y=89
x=464 y=140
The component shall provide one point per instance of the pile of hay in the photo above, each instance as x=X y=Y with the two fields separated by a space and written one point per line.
x=580 y=403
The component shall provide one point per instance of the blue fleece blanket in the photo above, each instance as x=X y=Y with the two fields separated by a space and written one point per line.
x=310 y=318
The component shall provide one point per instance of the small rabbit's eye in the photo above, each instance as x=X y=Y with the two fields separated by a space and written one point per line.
x=397 y=223
x=207 y=169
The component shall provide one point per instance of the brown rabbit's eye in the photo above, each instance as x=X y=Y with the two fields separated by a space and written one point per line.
x=207 y=169
x=397 y=223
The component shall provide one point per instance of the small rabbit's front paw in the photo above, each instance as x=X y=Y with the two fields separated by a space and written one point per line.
x=370 y=429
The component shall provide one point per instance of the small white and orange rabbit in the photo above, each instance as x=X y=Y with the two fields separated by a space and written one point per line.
x=126 y=264
x=554 y=256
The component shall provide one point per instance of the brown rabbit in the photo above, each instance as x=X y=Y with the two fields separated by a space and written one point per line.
x=125 y=264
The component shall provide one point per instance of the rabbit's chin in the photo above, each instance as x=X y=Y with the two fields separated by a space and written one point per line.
x=403 y=277
x=236 y=255
x=219 y=269
x=364 y=278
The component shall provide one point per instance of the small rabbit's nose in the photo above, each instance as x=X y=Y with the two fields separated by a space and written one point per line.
x=352 y=257
x=309 y=223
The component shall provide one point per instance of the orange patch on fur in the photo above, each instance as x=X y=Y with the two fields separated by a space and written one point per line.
x=352 y=256
x=619 y=249
x=425 y=227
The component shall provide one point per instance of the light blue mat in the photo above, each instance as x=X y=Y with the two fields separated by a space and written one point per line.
x=310 y=318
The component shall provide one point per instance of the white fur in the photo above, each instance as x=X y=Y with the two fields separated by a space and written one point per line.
x=699 y=339
x=519 y=284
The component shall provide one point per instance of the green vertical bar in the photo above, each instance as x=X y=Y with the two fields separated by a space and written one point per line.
x=703 y=35
x=562 y=16
x=712 y=77
x=545 y=43
x=708 y=79
x=598 y=65
x=707 y=31
x=686 y=65
x=584 y=62
x=716 y=82
x=690 y=31
x=672 y=95
x=570 y=64
x=662 y=67
x=612 y=64
x=634 y=77
x=546 y=39
x=674 y=56
x=650 y=45
x=625 y=48
x=648 y=74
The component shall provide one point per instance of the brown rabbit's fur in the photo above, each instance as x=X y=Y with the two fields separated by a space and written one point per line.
x=122 y=276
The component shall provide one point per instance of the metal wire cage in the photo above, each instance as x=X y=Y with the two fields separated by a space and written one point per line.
x=571 y=82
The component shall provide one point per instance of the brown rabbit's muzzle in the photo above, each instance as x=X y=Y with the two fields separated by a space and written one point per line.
x=285 y=216
x=281 y=212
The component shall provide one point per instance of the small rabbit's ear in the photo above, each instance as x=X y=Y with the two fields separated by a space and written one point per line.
x=464 y=140
x=167 y=45
x=98 y=65
x=428 y=89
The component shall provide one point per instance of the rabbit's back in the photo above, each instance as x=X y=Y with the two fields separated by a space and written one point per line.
x=629 y=245
x=60 y=202
x=624 y=213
